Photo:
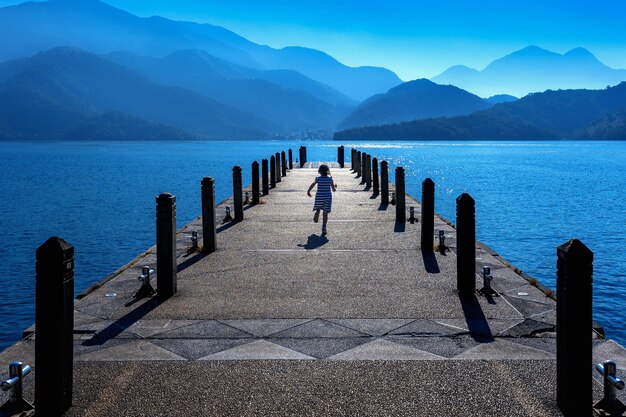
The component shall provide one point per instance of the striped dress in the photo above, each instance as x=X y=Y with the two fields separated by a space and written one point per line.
x=323 y=196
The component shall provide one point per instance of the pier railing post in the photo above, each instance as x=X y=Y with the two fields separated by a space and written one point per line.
x=400 y=196
x=166 y=245
x=272 y=171
x=363 y=167
x=340 y=151
x=368 y=171
x=256 y=197
x=265 y=179
x=290 y=159
x=283 y=163
x=428 y=215
x=573 y=324
x=237 y=193
x=384 y=183
x=358 y=164
x=209 y=231
x=353 y=160
x=304 y=154
x=54 y=320
x=375 y=176
x=278 y=169
x=466 y=245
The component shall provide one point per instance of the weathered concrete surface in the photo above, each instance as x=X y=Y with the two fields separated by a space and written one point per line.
x=283 y=321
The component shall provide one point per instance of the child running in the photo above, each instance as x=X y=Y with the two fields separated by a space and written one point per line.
x=323 y=196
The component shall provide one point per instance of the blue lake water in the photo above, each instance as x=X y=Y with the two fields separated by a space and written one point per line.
x=530 y=198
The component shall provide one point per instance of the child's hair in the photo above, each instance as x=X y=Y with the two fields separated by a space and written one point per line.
x=324 y=170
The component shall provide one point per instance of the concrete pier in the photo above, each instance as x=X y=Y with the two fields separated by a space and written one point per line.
x=277 y=322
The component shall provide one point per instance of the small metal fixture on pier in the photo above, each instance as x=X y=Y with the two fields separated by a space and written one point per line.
x=612 y=383
x=227 y=217
x=412 y=214
x=247 y=198
x=487 y=278
x=146 y=289
x=442 y=240
x=393 y=198
x=16 y=404
x=194 y=241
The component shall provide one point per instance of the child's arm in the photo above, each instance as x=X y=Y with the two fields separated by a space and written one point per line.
x=311 y=187
x=333 y=185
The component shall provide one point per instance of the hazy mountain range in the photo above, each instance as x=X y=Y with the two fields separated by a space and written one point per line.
x=81 y=69
x=562 y=114
x=534 y=69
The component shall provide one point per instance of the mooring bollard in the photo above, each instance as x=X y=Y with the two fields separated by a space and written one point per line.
x=278 y=169
x=272 y=171
x=146 y=289
x=237 y=193
x=54 y=323
x=610 y=404
x=290 y=159
x=573 y=323
x=487 y=290
x=264 y=176
x=375 y=176
x=283 y=163
x=428 y=215
x=340 y=151
x=400 y=196
x=209 y=232
x=384 y=183
x=256 y=197
x=15 y=384
x=166 y=245
x=465 y=245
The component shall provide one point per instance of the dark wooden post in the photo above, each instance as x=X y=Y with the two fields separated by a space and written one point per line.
x=340 y=155
x=465 y=245
x=272 y=171
x=237 y=193
x=283 y=163
x=300 y=154
x=384 y=183
x=166 y=245
x=358 y=164
x=400 y=196
x=265 y=181
x=375 y=176
x=428 y=215
x=290 y=159
x=256 y=198
x=54 y=320
x=368 y=171
x=353 y=160
x=304 y=155
x=209 y=233
x=573 y=323
x=278 y=170
x=363 y=167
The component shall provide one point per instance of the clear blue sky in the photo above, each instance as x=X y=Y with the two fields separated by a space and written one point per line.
x=415 y=38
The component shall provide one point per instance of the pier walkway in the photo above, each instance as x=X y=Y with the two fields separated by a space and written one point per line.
x=284 y=321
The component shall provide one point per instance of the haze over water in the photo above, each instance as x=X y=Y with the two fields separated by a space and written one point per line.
x=530 y=198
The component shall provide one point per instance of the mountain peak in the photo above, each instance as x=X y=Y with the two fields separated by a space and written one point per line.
x=581 y=53
x=532 y=51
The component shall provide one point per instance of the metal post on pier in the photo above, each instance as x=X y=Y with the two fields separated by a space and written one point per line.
x=290 y=159
x=573 y=323
x=209 y=232
x=54 y=321
x=283 y=163
x=278 y=169
x=358 y=164
x=466 y=245
x=353 y=160
x=237 y=193
x=264 y=175
x=272 y=171
x=256 y=197
x=400 y=196
x=428 y=215
x=363 y=167
x=166 y=245
x=340 y=155
x=368 y=172
x=384 y=183
x=375 y=181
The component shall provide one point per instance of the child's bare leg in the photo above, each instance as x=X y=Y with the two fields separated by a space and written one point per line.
x=316 y=216
x=324 y=219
